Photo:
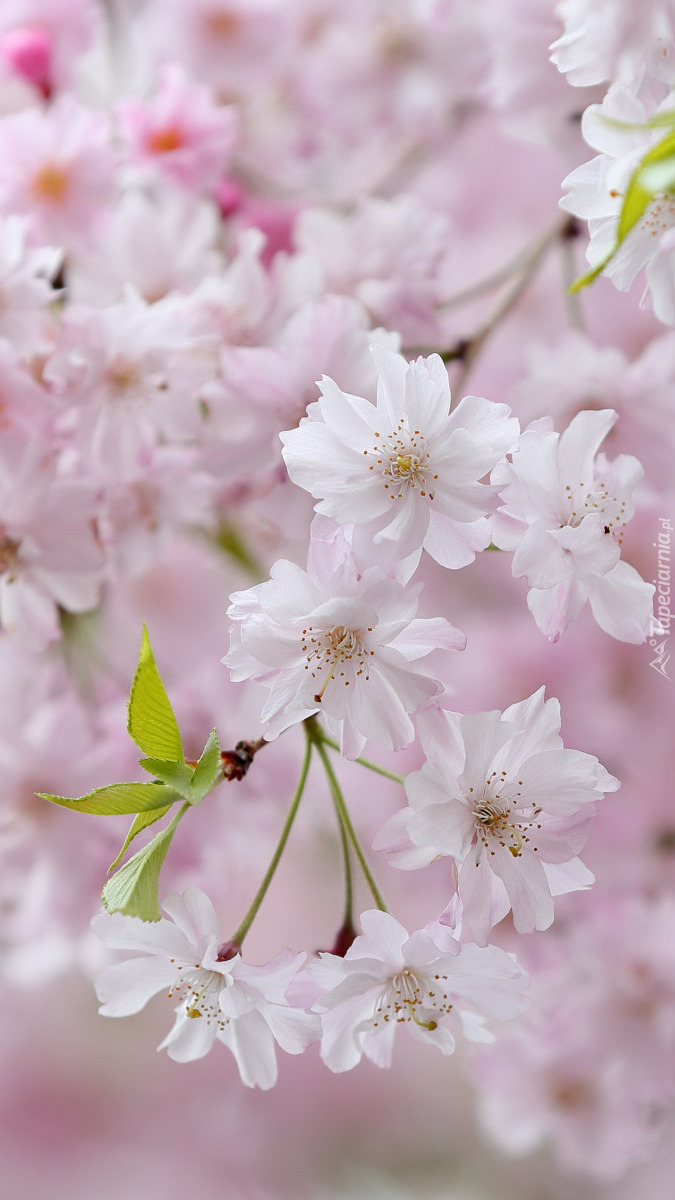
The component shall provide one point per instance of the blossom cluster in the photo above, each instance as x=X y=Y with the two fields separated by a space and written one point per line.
x=285 y=376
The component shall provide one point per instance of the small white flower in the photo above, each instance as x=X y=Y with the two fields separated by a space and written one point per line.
x=243 y=1006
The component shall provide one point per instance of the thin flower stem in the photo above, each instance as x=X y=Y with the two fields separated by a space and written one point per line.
x=363 y=762
x=471 y=347
x=240 y=933
x=348 y=922
x=340 y=805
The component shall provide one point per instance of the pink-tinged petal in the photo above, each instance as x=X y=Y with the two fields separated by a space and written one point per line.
x=193 y=913
x=448 y=828
x=539 y=721
x=527 y=889
x=557 y=780
x=392 y=370
x=126 y=987
x=454 y=544
x=383 y=937
x=579 y=444
x=340 y=1048
x=440 y=734
x=190 y=1039
x=484 y=735
x=541 y=558
x=594 y=551
x=407 y=521
x=152 y=937
x=490 y=978
x=378 y=1045
x=377 y=712
x=424 y=635
x=483 y=896
x=621 y=603
x=351 y=417
x=252 y=1045
x=393 y=840
x=293 y=1029
x=554 y=608
x=571 y=876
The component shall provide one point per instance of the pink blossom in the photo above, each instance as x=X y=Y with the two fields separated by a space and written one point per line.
x=389 y=978
x=57 y=167
x=49 y=552
x=180 y=131
x=406 y=471
x=501 y=796
x=241 y=1005
x=564 y=511
x=336 y=641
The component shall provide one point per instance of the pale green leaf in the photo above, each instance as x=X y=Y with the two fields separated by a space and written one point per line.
x=646 y=182
x=152 y=723
x=118 y=798
x=133 y=890
x=140 y=822
x=207 y=770
x=176 y=774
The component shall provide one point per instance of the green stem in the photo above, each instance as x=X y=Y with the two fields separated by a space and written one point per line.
x=240 y=933
x=345 y=819
x=348 y=922
x=363 y=762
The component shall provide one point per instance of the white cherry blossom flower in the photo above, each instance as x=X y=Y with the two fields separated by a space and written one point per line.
x=241 y=1005
x=340 y=642
x=500 y=795
x=405 y=471
x=564 y=511
x=388 y=978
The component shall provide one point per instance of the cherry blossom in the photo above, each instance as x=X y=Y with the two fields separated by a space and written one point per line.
x=241 y=1005
x=564 y=511
x=511 y=806
x=406 y=471
x=389 y=978
x=180 y=131
x=337 y=641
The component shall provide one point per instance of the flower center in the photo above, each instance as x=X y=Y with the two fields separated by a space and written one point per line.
x=9 y=557
x=198 y=990
x=163 y=141
x=403 y=461
x=497 y=821
x=50 y=183
x=336 y=653
x=597 y=499
x=660 y=215
x=412 y=997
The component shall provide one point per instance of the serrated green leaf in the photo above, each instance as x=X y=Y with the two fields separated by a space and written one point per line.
x=140 y=822
x=177 y=775
x=207 y=769
x=152 y=723
x=118 y=798
x=133 y=890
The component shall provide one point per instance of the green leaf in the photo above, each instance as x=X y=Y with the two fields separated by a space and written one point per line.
x=139 y=823
x=152 y=723
x=176 y=774
x=133 y=890
x=649 y=179
x=118 y=798
x=207 y=769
